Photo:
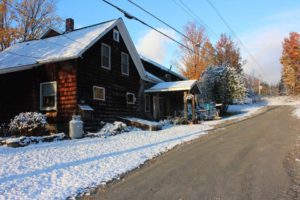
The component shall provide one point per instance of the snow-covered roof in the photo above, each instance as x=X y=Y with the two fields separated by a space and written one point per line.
x=162 y=67
x=67 y=46
x=46 y=32
x=153 y=77
x=172 y=86
x=62 y=47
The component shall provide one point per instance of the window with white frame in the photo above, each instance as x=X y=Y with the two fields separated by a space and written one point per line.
x=98 y=93
x=116 y=35
x=147 y=103
x=48 y=95
x=105 y=56
x=130 y=97
x=125 y=63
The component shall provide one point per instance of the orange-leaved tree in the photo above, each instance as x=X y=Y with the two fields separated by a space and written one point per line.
x=290 y=60
x=228 y=53
x=199 y=53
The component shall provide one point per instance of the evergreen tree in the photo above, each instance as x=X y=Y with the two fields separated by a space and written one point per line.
x=222 y=84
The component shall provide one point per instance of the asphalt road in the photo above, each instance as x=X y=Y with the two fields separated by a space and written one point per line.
x=242 y=161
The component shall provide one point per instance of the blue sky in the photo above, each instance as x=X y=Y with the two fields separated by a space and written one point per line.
x=260 y=24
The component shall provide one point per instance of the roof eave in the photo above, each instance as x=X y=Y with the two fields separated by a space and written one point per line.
x=167 y=90
x=18 y=68
x=58 y=59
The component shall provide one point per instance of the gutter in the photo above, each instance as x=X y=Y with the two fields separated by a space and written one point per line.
x=20 y=68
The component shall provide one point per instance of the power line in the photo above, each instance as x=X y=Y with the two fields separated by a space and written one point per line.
x=192 y=14
x=165 y=23
x=129 y=16
x=235 y=35
x=177 y=31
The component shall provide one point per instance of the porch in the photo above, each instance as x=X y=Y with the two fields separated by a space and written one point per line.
x=172 y=99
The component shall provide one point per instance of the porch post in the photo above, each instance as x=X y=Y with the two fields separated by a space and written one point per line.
x=185 y=115
x=156 y=105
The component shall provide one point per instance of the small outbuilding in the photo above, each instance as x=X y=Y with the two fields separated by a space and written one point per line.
x=172 y=99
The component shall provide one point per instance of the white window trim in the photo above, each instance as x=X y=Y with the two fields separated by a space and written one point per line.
x=134 y=98
x=127 y=74
x=147 y=95
x=95 y=98
x=116 y=39
x=109 y=55
x=55 y=98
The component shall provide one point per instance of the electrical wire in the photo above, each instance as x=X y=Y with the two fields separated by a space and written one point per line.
x=235 y=35
x=129 y=16
x=192 y=14
x=166 y=24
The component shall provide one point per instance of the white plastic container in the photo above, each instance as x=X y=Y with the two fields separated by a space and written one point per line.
x=76 y=127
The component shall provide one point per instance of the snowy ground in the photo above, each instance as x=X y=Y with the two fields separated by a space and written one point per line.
x=61 y=169
x=283 y=100
x=289 y=101
x=239 y=112
x=296 y=112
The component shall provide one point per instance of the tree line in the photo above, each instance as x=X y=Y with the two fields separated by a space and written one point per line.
x=201 y=53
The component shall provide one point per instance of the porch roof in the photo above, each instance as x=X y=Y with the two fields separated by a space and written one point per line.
x=172 y=86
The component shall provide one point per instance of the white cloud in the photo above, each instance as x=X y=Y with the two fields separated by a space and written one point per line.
x=153 y=45
x=265 y=45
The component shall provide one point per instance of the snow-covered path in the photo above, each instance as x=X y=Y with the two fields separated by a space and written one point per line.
x=60 y=169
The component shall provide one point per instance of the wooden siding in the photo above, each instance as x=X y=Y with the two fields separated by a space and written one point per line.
x=90 y=73
x=21 y=91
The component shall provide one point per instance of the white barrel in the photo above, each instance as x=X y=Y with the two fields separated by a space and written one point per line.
x=76 y=127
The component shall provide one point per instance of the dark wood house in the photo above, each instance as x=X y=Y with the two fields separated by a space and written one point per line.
x=94 y=70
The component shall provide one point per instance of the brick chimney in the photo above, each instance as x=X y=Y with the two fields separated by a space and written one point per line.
x=69 y=25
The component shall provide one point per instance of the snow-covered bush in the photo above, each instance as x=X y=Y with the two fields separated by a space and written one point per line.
x=115 y=128
x=28 y=140
x=111 y=129
x=28 y=123
x=222 y=85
